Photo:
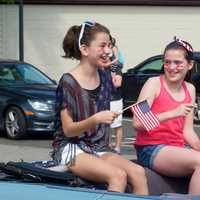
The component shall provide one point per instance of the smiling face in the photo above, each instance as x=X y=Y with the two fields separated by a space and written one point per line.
x=176 y=65
x=99 y=50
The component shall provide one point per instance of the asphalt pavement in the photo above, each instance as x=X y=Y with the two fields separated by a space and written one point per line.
x=37 y=147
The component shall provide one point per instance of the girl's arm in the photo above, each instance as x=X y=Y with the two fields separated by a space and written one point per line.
x=189 y=133
x=116 y=71
x=116 y=79
x=71 y=128
x=148 y=94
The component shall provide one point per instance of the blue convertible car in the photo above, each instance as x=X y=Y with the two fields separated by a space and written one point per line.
x=21 y=180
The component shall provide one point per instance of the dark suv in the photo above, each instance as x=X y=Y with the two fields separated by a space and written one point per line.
x=135 y=77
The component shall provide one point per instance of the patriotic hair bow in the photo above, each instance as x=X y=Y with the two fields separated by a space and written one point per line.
x=183 y=43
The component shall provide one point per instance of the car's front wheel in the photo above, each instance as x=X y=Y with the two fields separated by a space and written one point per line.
x=15 y=123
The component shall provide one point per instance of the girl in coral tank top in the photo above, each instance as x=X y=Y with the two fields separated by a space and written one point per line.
x=173 y=148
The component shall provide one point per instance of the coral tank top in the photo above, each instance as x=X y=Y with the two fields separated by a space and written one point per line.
x=169 y=132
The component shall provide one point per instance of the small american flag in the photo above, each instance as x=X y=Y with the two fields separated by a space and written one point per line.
x=142 y=111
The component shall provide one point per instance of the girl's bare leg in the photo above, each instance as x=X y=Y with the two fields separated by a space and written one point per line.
x=135 y=173
x=177 y=162
x=118 y=139
x=95 y=169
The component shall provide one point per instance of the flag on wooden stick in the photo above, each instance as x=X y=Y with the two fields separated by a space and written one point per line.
x=143 y=113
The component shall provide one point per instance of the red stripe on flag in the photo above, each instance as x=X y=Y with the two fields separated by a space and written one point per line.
x=148 y=119
x=143 y=119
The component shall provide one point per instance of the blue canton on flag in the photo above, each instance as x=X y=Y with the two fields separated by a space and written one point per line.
x=143 y=113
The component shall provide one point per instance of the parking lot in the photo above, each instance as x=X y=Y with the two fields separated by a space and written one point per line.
x=38 y=147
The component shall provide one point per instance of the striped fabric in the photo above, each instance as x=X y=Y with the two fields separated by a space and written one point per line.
x=81 y=105
x=184 y=44
x=142 y=111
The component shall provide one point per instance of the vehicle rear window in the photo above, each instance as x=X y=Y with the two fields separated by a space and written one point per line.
x=154 y=66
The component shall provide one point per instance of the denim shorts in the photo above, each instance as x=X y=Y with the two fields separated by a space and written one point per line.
x=146 y=154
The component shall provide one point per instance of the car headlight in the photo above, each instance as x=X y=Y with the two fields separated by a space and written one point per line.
x=41 y=106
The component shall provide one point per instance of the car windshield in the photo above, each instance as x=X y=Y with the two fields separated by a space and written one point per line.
x=22 y=74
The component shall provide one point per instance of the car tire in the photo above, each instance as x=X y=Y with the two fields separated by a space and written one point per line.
x=15 y=123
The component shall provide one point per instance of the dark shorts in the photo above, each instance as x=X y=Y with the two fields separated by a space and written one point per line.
x=146 y=154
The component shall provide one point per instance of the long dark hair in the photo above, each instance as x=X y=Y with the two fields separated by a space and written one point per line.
x=71 y=40
x=187 y=49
